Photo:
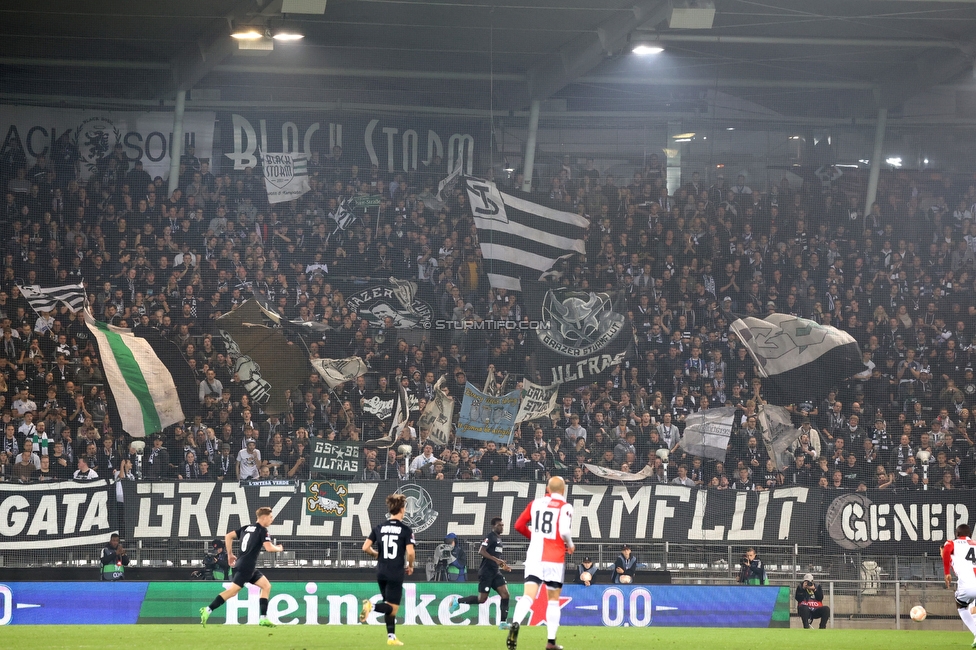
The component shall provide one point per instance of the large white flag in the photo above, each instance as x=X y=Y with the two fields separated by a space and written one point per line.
x=339 y=371
x=707 y=433
x=142 y=386
x=285 y=176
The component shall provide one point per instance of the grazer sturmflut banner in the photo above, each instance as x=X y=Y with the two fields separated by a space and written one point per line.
x=49 y=515
x=648 y=513
x=145 y=136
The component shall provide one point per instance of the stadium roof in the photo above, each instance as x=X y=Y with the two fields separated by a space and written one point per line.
x=826 y=59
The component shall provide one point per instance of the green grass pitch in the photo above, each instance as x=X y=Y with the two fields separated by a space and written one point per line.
x=216 y=637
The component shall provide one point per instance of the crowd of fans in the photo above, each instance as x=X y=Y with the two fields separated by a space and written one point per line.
x=901 y=279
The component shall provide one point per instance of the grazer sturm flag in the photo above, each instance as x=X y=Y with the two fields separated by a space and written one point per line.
x=437 y=416
x=401 y=412
x=486 y=417
x=520 y=239
x=537 y=401
x=143 y=388
x=799 y=359
x=778 y=433
x=343 y=216
x=617 y=475
x=285 y=176
x=266 y=363
x=707 y=433
x=50 y=298
x=446 y=187
x=338 y=371
x=582 y=335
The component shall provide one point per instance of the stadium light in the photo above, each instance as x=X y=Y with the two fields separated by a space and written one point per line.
x=925 y=161
x=683 y=136
x=894 y=161
x=247 y=33
x=641 y=50
x=287 y=35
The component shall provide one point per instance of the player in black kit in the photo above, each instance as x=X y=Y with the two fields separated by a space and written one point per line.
x=489 y=573
x=253 y=538
x=394 y=544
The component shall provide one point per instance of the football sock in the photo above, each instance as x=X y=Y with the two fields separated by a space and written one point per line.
x=522 y=607
x=217 y=602
x=390 y=624
x=552 y=619
x=263 y=607
x=968 y=619
x=383 y=608
x=469 y=600
x=504 y=605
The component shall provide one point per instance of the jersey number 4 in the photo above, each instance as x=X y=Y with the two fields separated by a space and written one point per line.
x=544 y=522
x=971 y=555
x=389 y=547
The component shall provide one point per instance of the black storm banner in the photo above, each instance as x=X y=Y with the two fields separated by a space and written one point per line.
x=395 y=143
x=48 y=515
x=647 y=513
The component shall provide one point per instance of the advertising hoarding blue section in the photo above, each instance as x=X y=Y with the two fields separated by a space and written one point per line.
x=71 y=603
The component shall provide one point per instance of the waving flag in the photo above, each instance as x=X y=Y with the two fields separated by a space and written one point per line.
x=142 y=386
x=437 y=416
x=343 y=216
x=707 y=433
x=339 y=371
x=485 y=417
x=48 y=299
x=520 y=239
x=800 y=359
x=285 y=176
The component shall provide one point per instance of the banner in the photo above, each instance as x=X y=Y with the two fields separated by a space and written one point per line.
x=437 y=416
x=375 y=304
x=582 y=336
x=285 y=176
x=338 y=371
x=395 y=143
x=145 y=136
x=326 y=498
x=483 y=417
x=631 y=513
x=617 y=475
x=537 y=401
x=48 y=515
x=707 y=433
x=338 y=603
x=886 y=522
x=335 y=458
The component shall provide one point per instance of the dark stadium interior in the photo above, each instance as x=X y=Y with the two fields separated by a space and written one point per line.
x=689 y=163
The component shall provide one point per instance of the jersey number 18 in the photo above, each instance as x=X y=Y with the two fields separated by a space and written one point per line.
x=544 y=523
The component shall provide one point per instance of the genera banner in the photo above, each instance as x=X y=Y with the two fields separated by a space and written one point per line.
x=338 y=603
x=145 y=136
x=651 y=513
x=47 y=515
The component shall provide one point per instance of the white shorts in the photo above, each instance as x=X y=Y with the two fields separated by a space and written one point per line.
x=966 y=593
x=545 y=571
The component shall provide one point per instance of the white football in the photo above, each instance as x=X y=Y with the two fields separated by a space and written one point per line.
x=626 y=580
x=586 y=576
x=918 y=613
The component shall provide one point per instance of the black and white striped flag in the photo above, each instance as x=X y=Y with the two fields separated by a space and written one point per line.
x=520 y=239
x=343 y=216
x=49 y=298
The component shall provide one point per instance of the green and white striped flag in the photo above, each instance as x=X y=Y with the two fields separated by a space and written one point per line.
x=143 y=388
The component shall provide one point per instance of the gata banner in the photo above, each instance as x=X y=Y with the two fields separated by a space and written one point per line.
x=649 y=513
x=145 y=136
x=45 y=515
x=889 y=522
x=395 y=143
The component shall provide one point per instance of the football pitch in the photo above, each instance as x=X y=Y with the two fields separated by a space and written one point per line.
x=214 y=637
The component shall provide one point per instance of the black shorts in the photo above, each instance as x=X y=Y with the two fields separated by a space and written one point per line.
x=391 y=590
x=489 y=581
x=246 y=574
x=539 y=581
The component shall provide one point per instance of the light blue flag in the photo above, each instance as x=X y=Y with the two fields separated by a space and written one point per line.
x=483 y=417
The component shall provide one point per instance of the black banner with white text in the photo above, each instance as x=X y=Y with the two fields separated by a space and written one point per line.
x=46 y=515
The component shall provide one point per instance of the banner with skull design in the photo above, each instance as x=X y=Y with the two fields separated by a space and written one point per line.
x=583 y=335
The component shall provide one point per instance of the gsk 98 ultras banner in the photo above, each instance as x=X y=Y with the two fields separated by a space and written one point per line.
x=338 y=603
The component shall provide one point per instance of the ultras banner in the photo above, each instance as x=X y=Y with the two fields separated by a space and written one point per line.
x=338 y=603
x=395 y=143
x=603 y=513
x=61 y=514
x=145 y=136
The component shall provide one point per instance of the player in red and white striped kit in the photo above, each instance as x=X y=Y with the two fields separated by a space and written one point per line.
x=548 y=523
x=960 y=555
